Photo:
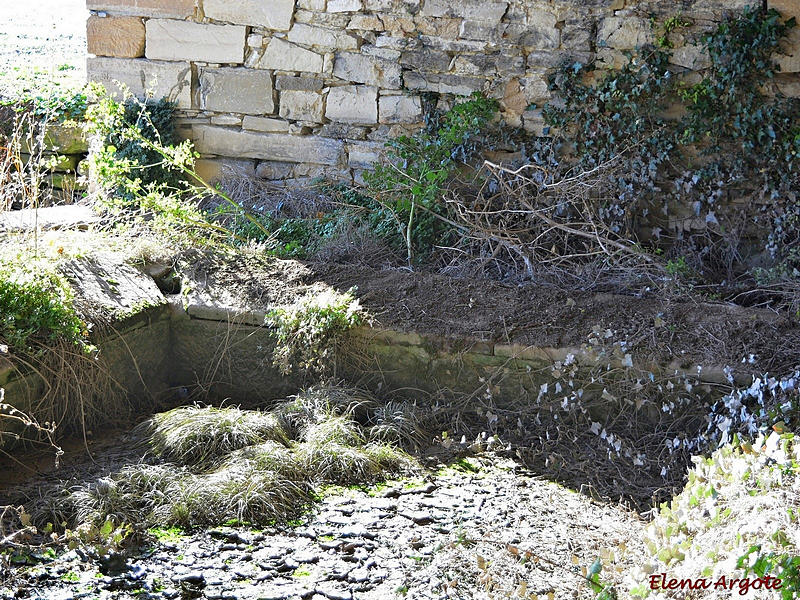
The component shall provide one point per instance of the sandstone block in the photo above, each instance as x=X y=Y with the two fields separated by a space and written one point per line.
x=481 y=30
x=509 y=64
x=272 y=14
x=475 y=64
x=399 y=26
x=577 y=35
x=387 y=53
x=322 y=19
x=61 y=138
x=789 y=88
x=235 y=90
x=787 y=8
x=267 y=146
x=317 y=5
x=453 y=45
x=265 y=124
x=284 y=56
x=444 y=83
x=343 y=131
x=212 y=170
x=274 y=170
x=355 y=104
x=255 y=40
x=363 y=155
x=535 y=88
x=426 y=60
x=122 y=37
x=321 y=37
x=513 y=101
x=177 y=9
x=335 y=6
x=307 y=84
x=298 y=105
x=691 y=56
x=789 y=58
x=476 y=10
x=367 y=69
x=144 y=78
x=400 y=109
x=226 y=120
x=533 y=122
x=624 y=33
x=181 y=40
x=365 y=22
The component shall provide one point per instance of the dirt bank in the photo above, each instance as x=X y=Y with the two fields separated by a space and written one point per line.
x=714 y=334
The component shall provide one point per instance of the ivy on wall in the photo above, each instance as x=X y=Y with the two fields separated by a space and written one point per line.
x=693 y=144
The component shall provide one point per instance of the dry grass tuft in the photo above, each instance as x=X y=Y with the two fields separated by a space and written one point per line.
x=199 y=436
x=254 y=466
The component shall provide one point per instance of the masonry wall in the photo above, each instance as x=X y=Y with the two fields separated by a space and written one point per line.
x=302 y=88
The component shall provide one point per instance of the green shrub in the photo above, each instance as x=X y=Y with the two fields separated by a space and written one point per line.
x=309 y=331
x=419 y=166
x=36 y=307
x=155 y=121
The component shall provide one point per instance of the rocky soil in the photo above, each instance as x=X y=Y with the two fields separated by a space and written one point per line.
x=463 y=532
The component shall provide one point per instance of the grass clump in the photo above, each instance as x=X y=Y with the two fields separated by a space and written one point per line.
x=252 y=466
x=197 y=435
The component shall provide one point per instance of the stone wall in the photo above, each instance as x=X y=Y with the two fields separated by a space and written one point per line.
x=303 y=88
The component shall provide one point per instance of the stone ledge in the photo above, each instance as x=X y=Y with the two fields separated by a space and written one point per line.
x=226 y=314
x=179 y=9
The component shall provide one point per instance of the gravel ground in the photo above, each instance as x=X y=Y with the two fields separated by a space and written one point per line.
x=42 y=41
x=461 y=533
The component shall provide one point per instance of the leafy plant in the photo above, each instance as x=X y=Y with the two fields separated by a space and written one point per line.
x=785 y=567
x=147 y=177
x=36 y=306
x=155 y=121
x=309 y=331
x=685 y=145
x=418 y=167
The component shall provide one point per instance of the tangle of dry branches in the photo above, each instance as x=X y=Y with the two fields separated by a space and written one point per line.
x=541 y=217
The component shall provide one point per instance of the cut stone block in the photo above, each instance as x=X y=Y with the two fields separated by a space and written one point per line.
x=363 y=155
x=477 y=10
x=335 y=6
x=122 y=37
x=306 y=84
x=267 y=146
x=235 y=90
x=265 y=124
x=789 y=58
x=298 y=105
x=356 y=104
x=400 y=109
x=271 y=14
x=181 y=40
x=284 y=56
x=321 y=37
x=624 y=33
x=367 y=69
x=444 y=83
x=178 y=9
x=144 y=78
